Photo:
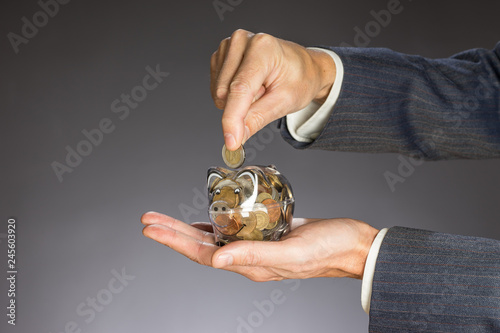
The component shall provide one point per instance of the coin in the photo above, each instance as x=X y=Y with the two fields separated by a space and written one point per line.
x=249 y=224
x=275 y=195
x=233 y=159
x=286 y=194
x=227 y=225
x=263 y=196
x=272 y=225
x=288 y=214
x=262 y=220
x=275 y=181
x=254 y=235
x=273 y=210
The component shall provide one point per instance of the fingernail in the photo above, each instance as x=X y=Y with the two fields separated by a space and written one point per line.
x=230 y=141
x=224 y=260
x=247 y=134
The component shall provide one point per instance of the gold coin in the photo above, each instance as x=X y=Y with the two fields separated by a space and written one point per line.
x=263 y=196
x=275 y=181
x=288 y=214
x=272 y=225
x=286 y=194
x=262 y=220
x=255 y=235
x=273 y=210
x=249 y=224
x=233 y=159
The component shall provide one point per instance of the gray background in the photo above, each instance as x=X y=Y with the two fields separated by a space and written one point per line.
x=72 y=234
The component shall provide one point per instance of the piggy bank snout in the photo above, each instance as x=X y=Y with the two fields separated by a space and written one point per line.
x=219 y=207
x=223 y=218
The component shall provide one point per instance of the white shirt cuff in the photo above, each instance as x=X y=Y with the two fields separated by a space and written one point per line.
x=305 y=125
x=371 y=260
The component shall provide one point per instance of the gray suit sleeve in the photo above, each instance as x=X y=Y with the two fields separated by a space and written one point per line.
x=426 y=108
x=434 y=282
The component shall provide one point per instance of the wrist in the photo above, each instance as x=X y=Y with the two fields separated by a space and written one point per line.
x=325 y=71
x=356 y=265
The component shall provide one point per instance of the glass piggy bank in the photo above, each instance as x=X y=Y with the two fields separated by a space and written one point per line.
x=251 y=203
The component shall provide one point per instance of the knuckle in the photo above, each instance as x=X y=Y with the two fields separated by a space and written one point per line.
x=239 y=33
x=263 y=39
x=239 y=86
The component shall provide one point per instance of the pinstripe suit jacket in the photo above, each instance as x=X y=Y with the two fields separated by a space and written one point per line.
x=431 y=109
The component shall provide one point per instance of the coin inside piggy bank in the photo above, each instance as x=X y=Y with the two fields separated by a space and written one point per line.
x=251 y=203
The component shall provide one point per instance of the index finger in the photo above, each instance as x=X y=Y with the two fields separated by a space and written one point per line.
x=244 y=88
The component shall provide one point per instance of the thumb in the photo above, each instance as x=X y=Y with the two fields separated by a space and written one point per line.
x=251 y=253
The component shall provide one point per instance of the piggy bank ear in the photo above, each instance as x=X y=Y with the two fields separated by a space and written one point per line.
x=214 y=175
x=249 y=181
